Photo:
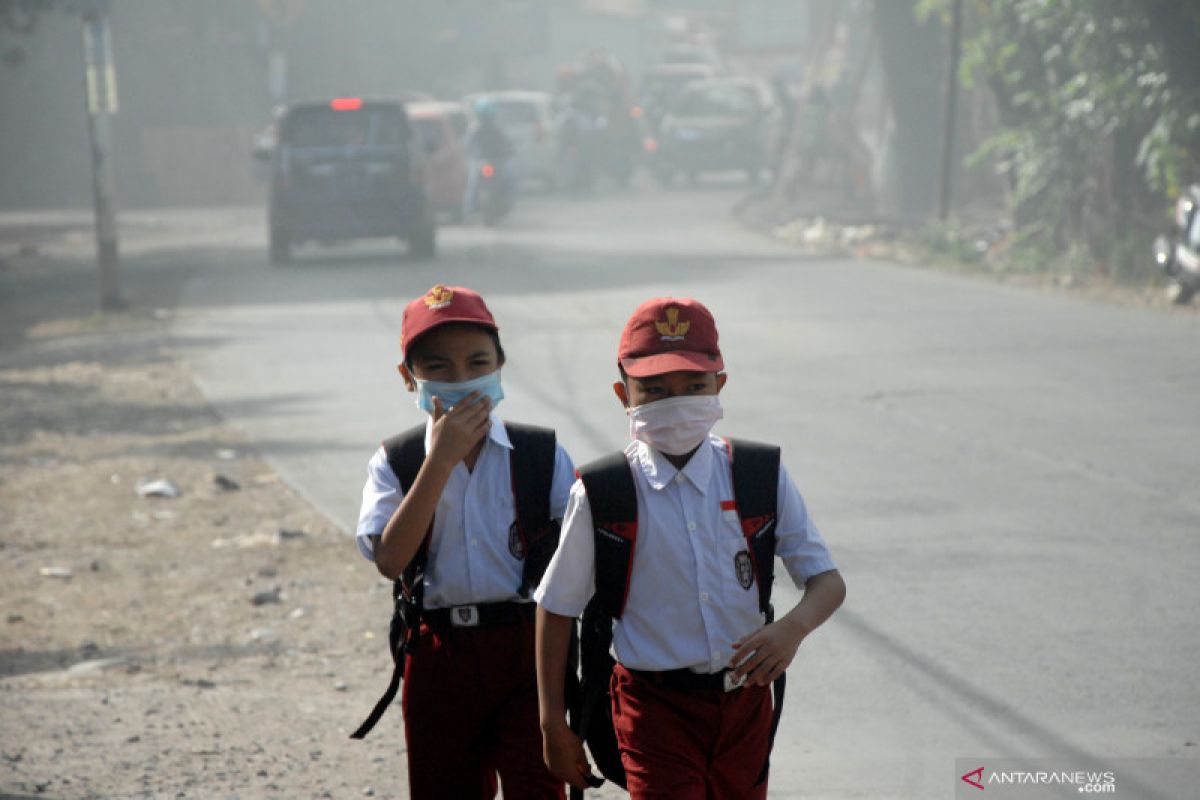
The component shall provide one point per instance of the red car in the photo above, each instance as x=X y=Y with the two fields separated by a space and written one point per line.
x=438 y=131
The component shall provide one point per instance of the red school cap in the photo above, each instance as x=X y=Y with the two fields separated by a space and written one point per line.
x=439 y=306
x=667 y=334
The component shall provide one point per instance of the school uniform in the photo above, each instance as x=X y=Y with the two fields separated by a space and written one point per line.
x=689 y=598
x=469 y=692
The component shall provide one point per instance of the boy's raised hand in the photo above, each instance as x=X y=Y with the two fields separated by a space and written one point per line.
x=457 y=430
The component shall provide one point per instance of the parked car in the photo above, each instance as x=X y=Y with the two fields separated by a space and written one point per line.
x=347 y=168
x=661 y=86
x=719 y=124
x=445 y=153
x=528 y=119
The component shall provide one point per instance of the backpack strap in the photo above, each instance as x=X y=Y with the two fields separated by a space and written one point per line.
x=613 y=500
x=612 y=497
x=405 y=454
x=534 y=536
x=755 y=470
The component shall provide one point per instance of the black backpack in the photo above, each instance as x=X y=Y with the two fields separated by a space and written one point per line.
x=533 y=535
x=613 y=500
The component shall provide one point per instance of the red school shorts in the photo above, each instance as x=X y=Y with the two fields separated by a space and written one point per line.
x=678 y=745
x=471 y=715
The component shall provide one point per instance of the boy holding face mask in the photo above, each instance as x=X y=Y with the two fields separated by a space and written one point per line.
x=690 y=706
x=463 y=512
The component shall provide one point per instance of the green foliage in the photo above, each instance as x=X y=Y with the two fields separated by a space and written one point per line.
x=1099 y=109
x=950 y=242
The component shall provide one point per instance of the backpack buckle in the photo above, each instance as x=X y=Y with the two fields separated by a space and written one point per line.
x=464 y=616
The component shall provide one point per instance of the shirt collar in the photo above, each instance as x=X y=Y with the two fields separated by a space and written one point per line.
x=497 y=433
x=660 y=472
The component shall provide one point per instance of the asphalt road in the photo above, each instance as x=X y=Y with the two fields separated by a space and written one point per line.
x=1006 y=477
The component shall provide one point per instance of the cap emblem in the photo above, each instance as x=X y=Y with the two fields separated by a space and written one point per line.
x=438 y=297
x=672 y=329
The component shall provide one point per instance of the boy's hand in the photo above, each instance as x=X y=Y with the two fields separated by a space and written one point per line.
x=764 y=655
x=458 y=430
x=564 y=756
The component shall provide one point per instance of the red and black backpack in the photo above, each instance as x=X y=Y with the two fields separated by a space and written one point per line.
x=612 y=497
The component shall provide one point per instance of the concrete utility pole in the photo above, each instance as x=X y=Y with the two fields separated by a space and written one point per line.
x=101 y=81
x=951 y=113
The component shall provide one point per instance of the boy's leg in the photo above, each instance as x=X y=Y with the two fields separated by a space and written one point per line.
x=516 y=735
x=443 y=720
x=742 y=745
x=665 y=738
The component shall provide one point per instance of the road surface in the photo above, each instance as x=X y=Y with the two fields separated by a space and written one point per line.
x=1006 y=477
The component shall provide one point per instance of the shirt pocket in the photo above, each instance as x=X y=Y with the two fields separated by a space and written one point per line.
x=730 y=524
x=737 y=564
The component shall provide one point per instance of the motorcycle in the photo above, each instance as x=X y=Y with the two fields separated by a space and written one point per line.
x=599 y=136
x=494 y=196
x=1179 y=254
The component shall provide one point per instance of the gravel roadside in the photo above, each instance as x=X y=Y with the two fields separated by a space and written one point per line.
x=220 y=643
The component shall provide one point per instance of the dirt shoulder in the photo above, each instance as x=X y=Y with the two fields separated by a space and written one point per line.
x=221 y=643
x=816 y=233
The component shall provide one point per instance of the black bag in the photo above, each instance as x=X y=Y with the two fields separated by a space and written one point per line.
x=612 y=497
x=533 y=536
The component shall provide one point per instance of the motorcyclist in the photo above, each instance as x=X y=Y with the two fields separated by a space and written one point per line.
x=597 y=128
x=486 y=143
x=581 y=127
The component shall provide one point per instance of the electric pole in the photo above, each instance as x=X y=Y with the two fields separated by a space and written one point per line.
x=101 y=85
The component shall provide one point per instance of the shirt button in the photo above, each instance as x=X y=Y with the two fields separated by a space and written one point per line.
x=691 y=526
x=679 y=477
x=704 y=597
x=716 y=655
x=475 y=542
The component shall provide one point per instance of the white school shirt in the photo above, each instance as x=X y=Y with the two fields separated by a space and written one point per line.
x=469 y=558
x=685 y=607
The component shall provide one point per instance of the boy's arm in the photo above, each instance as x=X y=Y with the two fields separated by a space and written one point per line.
x=561 y=748
x=455 y=433
x=765 y=654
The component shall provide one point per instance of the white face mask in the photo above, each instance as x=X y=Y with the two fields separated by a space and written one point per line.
x=677 y=425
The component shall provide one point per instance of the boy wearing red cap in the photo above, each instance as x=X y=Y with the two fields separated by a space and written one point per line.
x=469 y=686
x=691 y=706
